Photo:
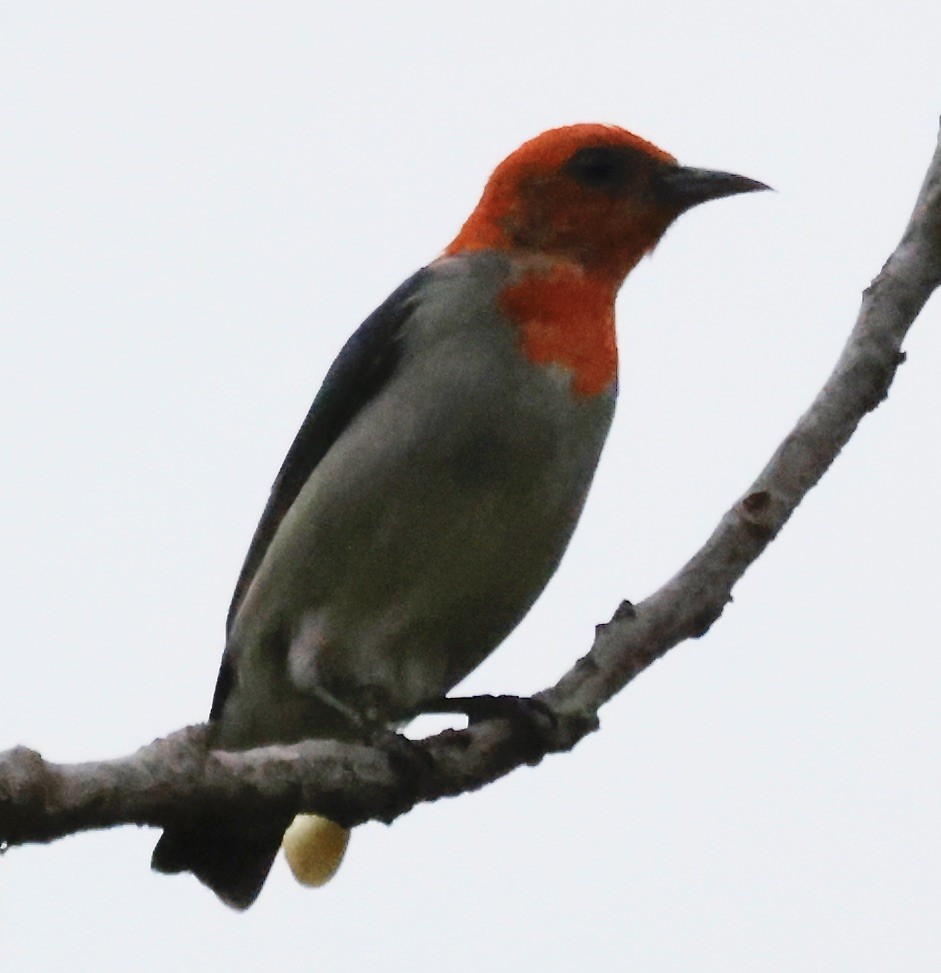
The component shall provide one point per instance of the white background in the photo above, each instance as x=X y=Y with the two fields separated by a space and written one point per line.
x=199 y=201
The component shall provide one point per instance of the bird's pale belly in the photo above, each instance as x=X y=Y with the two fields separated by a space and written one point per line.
x=405 y=592
x=389 y=591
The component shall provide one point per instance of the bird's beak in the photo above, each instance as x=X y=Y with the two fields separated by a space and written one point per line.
x=685 y=187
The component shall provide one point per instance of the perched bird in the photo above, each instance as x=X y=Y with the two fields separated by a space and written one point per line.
x=437 y=478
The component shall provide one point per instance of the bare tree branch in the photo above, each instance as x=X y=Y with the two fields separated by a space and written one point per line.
x=178 y=777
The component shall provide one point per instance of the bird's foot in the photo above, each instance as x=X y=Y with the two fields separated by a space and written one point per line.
x=531 y=718
x=409 y=759
x=368 y=722
x=365 y=721
x=516 y=709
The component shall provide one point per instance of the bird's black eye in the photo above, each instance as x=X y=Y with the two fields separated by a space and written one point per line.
x=599 y=167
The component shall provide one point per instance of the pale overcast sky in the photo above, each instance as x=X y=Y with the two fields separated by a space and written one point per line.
x=200 y=201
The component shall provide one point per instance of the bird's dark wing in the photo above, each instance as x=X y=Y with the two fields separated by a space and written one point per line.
x=360 y=371
x=236 y=868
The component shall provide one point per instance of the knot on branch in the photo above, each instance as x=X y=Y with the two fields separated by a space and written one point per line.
x=756 y=511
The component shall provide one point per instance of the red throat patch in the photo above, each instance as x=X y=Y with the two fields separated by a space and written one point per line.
x=566 y=318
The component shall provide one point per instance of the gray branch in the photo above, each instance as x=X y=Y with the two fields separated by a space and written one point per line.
x=178 y=777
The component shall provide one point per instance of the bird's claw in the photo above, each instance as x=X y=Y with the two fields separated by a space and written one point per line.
x=531 y=717
x=408 y=758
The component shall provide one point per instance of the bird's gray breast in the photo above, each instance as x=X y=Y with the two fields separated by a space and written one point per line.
x=433 y=523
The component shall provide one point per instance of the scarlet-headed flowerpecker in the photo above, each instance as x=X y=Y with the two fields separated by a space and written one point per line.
x=438 y=476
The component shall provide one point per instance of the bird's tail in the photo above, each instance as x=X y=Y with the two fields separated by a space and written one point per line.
x=232 y=865
x=235 y=864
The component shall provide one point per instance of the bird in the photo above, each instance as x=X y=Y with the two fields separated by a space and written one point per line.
x=437 y=479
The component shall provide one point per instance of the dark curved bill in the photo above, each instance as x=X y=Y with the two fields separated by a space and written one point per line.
x=685 y=187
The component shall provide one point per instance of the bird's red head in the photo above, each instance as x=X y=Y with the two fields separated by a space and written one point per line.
x=596 y=195
x=581 y=205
